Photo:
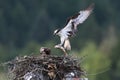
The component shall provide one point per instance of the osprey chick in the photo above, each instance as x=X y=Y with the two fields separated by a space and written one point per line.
x=44 y=51
x=70 y=29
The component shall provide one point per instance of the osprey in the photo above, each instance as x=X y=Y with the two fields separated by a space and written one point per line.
x=70 y=29
x=44 y=51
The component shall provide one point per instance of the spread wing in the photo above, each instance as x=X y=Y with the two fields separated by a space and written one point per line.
x=78 y=18
x=83 y=15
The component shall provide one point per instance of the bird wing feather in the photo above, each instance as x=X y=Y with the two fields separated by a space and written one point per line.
x=68 y=26
x=82 y=17
x=78 y=18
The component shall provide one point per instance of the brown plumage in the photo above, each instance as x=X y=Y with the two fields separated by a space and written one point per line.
x=44 y=51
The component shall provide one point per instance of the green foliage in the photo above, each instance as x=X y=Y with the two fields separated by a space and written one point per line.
x=30 y=49
x=26 y=25
x=115 y=71
x=95 y=62
x=3 y=76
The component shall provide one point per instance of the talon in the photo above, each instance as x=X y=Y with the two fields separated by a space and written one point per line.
x=57 y=46
x=62 y=48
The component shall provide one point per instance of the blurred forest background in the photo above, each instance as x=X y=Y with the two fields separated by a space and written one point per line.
x=26 y=25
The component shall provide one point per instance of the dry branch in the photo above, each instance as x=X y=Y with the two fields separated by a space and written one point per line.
x=44 y=68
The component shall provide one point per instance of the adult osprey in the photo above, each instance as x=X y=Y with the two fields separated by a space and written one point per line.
x=71 y=27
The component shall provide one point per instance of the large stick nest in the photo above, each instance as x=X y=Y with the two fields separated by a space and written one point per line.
x=44 y=68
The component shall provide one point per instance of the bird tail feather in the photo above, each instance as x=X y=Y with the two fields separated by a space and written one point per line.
x=67 y=45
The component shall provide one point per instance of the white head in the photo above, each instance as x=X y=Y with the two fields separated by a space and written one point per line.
x=56 y=31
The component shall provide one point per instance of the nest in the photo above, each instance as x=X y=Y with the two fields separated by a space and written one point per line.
x=44 y=68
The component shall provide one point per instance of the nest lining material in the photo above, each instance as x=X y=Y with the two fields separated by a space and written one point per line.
x=44 y=68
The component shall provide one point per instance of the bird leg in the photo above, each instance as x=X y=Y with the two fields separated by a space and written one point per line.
x=62 y=48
